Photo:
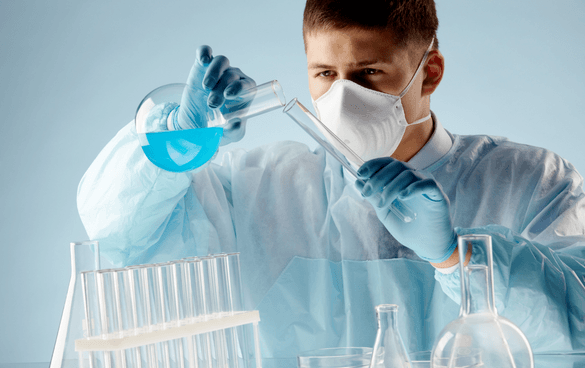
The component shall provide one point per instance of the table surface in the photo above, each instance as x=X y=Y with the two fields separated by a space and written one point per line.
x=540 y=361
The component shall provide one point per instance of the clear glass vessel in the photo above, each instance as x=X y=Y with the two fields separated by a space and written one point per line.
x=181 y=139
x=304 y=119
x=84 y=257
x=350 y=357
x=389 y=350
x=175 y=314
x=479 y=337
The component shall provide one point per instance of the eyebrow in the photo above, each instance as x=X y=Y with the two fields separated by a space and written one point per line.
x=360 y=64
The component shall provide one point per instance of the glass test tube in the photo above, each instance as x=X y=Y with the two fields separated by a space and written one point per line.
x=110 y=314
x=181 y=292
x=303 y=117
x=124 y=315
x=210 y=281
x=91 y=324
x=225 y=307
x=156 y=275
x=137 y=307
x=151 y=308
x=198 y=310
x=168 y=295
x=170 y=283
x=182 y=281
x=241 y=333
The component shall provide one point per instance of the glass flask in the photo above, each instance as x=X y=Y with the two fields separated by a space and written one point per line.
x=389 y=350
x=84 y=257
x=179 y=132
x=479 y=337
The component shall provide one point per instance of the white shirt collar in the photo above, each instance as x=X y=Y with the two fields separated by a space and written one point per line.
x=439 y=144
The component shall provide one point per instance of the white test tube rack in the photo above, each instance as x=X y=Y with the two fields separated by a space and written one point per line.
x=184 y=314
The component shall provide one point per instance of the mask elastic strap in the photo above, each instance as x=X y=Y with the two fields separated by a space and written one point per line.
x=420 y=120
x=419 y=68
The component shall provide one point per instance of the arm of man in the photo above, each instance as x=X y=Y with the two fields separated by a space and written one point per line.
x=128 y=204
x=125 y=201
x=536 y=204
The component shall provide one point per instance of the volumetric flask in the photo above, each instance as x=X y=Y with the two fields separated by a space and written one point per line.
x=303 y=117
x=335 y=358
x=479 y=337
x=389 y=350
x=179 y=132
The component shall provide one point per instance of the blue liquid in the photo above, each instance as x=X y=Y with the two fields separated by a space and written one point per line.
x=182 y=150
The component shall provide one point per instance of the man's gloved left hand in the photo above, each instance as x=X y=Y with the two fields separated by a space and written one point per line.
x=431 y=235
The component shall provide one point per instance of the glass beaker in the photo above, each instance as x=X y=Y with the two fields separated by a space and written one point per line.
x=335 y=358
x=181 y=139
x=479 y=337
x=389 y=350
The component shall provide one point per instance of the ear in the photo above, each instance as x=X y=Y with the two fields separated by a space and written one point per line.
x=434 y=68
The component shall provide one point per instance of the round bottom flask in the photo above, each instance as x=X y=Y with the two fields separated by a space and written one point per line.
x=479 y=337
x=178 y=132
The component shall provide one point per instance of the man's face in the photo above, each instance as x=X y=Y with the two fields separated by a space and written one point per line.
x=368 y=58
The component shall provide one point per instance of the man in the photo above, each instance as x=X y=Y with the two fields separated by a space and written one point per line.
x=317 y=253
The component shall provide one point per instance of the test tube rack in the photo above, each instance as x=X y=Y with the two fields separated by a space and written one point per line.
x=186 y=313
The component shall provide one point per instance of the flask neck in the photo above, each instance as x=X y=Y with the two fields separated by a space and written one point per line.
x=387 y=318
x=477 y=285
x=477 y=295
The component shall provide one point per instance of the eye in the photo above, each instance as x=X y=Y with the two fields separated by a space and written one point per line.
x=325 y=74
x=370 y=71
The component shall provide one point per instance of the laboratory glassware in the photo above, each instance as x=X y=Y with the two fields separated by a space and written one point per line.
x=389 y=349
x=174 y=148
x=479 y=337
x=304 y=118
x=84 y=257
x=350 y=357
x=144 y=316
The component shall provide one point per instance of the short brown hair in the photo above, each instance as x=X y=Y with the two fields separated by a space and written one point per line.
x=409 y=21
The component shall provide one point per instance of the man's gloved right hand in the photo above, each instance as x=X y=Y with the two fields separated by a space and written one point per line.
x=431 y=235
x=213 y=76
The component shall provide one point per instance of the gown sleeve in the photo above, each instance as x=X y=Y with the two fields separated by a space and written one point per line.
x=539 y=266
x=128 y=204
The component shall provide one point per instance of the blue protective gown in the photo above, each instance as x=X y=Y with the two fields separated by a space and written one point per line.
x=315 y=258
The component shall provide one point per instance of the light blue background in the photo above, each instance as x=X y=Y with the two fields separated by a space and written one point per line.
x=73 y=72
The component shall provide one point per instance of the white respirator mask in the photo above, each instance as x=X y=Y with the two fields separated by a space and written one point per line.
x=369 y=122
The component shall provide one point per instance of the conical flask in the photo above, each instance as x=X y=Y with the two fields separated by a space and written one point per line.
x=479 y=337
x=389 y=350
x=84 y=257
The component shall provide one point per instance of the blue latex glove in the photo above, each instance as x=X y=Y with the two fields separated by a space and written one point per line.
x=431 y=235
x=212 y=82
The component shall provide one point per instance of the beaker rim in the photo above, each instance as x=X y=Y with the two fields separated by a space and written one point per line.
x=326 y=352
x=474 y=236
x=387 y=308
x=336 y=357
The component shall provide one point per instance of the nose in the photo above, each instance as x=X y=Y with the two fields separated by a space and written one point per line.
x=357 y=80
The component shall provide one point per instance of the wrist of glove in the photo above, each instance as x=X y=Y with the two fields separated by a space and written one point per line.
x=431 y=235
